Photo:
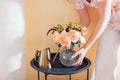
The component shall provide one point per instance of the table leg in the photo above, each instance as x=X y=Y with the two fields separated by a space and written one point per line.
x=46 y=76
x=69 y=76
x=87 y=74
x=38 y=75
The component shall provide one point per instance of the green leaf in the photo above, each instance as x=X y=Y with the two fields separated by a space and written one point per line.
x=78 y=42
x=69 y=23
x=72 y=43
x=83 y=29
x=75 y=25
x=59 y=28
x=59 y=45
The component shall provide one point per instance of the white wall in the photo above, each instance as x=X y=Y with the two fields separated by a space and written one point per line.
x=12 y=40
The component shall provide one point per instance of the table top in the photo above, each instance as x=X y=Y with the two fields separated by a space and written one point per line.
x=59 y=69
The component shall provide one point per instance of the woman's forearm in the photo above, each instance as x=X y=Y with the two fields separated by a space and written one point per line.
x=83 y=13
x=84 y=17
x=96 y=33
x=105 y=12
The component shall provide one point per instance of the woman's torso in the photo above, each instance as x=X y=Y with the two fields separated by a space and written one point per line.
x=114 y=23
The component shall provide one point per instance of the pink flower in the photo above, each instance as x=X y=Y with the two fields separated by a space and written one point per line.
x=65 y=41
x=56 y=37
x=73 y=35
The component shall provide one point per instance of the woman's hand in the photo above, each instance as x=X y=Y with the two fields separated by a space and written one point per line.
x=81 y=53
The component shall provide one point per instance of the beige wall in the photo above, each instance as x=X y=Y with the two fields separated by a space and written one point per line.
x=40 y=16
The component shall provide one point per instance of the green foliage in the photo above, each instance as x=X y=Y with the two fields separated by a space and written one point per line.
x=69 y=24
x=59 y=28
x=83 y=29
x=59 y=45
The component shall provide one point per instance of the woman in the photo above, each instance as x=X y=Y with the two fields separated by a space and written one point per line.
x=107 y=30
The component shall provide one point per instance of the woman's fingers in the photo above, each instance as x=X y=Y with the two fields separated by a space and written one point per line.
x=75 y=54
x=81 y=54
x=79 y=61
x=81 y=51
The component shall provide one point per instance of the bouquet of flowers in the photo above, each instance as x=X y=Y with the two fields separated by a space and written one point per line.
x=69 y=34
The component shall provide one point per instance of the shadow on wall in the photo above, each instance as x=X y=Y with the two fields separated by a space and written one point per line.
x=12 y=41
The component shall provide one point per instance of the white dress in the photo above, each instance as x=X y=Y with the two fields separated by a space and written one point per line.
x=109 y=41
x=107 y=52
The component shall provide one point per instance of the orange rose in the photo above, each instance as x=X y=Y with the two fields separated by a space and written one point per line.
x=65 y=41
x=73 y=35
x=56 y=36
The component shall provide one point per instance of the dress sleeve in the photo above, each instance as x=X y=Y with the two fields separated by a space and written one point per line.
x=79 y=4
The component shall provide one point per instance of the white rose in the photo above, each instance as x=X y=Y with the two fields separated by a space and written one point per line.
x=82 y=39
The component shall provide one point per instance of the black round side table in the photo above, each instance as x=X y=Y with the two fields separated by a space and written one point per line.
x=59 y=69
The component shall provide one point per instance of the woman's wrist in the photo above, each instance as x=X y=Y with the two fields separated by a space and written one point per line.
x=84 y=46
x=83 y=51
